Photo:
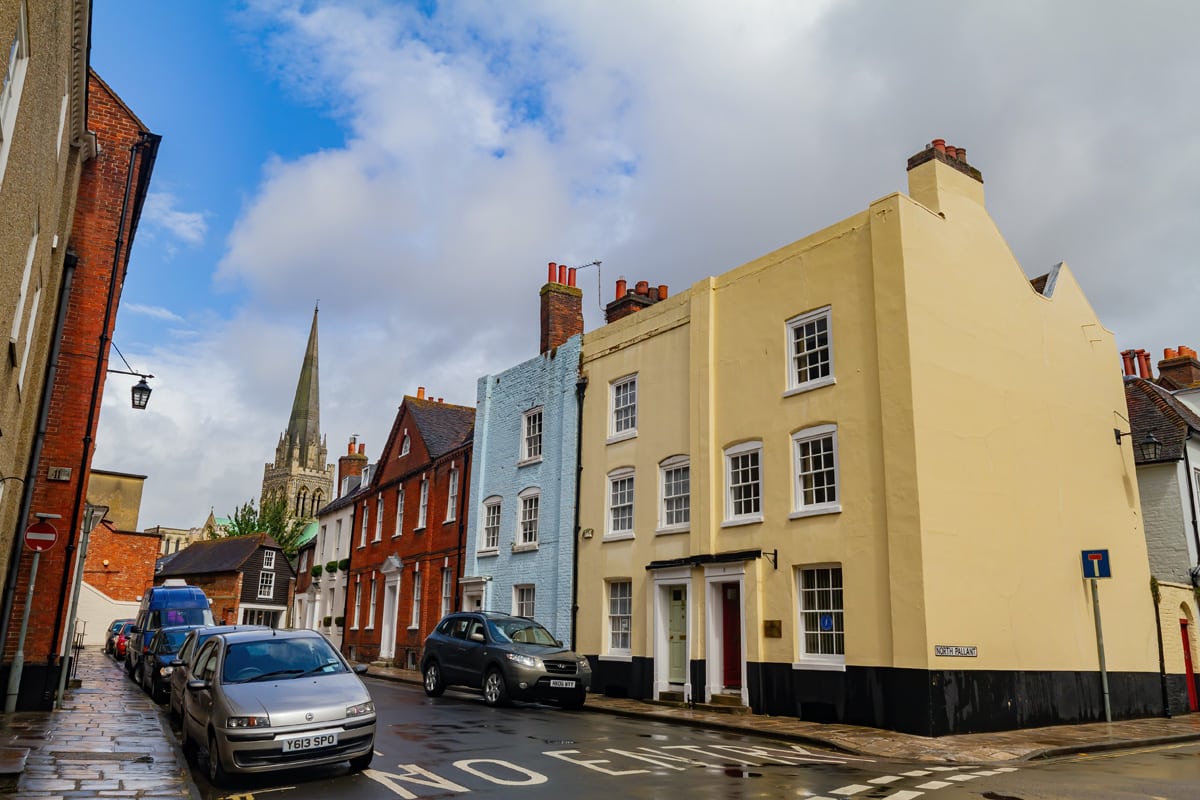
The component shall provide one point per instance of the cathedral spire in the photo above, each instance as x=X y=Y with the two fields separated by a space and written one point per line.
x=304 y=427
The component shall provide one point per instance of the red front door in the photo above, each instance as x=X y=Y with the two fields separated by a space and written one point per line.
x=1187 y=666
x=731 y=635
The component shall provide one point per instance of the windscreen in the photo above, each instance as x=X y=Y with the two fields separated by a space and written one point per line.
x=277 y=658
x=522 y=631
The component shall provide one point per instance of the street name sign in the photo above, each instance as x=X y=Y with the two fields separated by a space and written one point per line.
x=957 y=650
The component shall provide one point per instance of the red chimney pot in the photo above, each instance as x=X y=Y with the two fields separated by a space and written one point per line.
x=571 y=276
x=939 y=145
x=662 y=291
x=620 y=288
x=642 y=288
x=552 y=272
x=420 y=392
x=562 y=273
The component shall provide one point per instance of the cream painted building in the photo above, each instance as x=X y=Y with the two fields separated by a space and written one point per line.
x=853 y=481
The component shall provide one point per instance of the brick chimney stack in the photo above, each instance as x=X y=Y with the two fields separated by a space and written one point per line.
x=627 y=302
x=351 y=464
x=1180 y=367
x=562 y=307
x=940 y=173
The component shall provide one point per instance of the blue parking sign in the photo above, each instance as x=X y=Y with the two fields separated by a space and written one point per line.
x=1095 y=564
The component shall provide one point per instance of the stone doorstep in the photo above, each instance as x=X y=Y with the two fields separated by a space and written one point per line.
x=12 y=760
x=720 y=704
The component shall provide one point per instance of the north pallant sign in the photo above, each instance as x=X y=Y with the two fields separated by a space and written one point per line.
x=956 y=650
x=41 y=536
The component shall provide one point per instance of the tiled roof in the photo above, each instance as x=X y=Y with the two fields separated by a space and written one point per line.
x=1155 y=410
x=339 y=503
x=443 y=427
x=227 y=554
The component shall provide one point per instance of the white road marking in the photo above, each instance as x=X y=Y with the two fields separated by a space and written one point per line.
x=964 y=777
x=903 y=794
x=882 y=779
x=471 y=765
x=916 y=773
x=934 y=785
x=853 y=788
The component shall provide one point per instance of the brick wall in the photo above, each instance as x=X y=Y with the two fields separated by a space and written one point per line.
x=223 y=590
x=120 y=563
x=94 y=233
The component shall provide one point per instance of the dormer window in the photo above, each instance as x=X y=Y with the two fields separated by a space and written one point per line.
x=269 y=559
x=405 y=445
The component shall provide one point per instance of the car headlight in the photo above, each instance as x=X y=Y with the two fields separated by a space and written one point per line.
x=533 y=662
x=248 y=722
x=165 y=671
x=584 y=665
x=360 y=709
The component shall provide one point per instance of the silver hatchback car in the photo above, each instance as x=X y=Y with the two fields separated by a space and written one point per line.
x=269 y=700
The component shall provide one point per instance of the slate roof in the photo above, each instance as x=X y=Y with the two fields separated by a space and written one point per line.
x=443 y=427
x=339 y=503
x=1155 y=410
x=227 y=554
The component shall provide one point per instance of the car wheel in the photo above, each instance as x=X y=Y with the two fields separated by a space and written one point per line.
x=495 y=690
x=574 y=701
x=434 y=685
x=216 y=771
x=359 y=763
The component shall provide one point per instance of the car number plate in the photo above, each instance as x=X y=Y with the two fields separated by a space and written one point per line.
x=557 y=684
x=312 y=742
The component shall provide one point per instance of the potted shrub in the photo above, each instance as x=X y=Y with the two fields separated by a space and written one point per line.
x=344 y=565
x=340 y=621
x=326 y=621
x=331 y=567
x=316 y=570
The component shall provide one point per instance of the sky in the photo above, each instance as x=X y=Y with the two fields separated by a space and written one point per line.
x=411 y=168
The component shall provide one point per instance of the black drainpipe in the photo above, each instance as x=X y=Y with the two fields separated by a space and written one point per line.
x=580 y=389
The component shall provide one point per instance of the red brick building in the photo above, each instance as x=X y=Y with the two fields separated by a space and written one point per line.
x=111 y=193
x=120 y=563
x=410 y=527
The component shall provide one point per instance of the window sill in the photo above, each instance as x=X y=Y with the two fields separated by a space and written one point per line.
x=808 y=387
x=524 y=548
x=820 y=666
x=414 y=627
x=618 y=537
x=526 y=462
x=735 y=523
x=622 y=436
x=615 y=657
x=488 y=552
x=672 y=529
x=377 y=540
x=419 y=529
x=353 y=627
x=397 y=535
x=816 y=511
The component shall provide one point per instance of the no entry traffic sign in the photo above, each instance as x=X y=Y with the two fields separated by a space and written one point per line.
x=41 y=536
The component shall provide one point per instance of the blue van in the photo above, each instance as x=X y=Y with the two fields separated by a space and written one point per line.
x=173 y=602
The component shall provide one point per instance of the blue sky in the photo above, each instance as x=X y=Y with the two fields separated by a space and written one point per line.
x=413 y=166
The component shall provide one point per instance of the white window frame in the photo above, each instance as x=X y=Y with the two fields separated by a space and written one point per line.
x=800 y=440
x=524 y=600
x=490 y=535
x=447 y=591
x=405 y=445
x=415 y=622
x=624 y=476
x=23 y=294
x=17 y=57
x=399 y=511
x=733 y=452
x=452 y=495
x=362 y=535
x=378 y=517
x=818 y=660
x=357 y=600
x=266 y=585
x=269 y=559
x=33 y=314
x=337 y=536
x=666 y=466
x=821 y=317
x=532 y=442
x=531 y=497
x=620 y=428
x=423 y=506
x=618 y=626
x=371 y=605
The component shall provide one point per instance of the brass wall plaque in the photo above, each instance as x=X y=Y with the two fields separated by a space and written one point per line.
x=773 y=628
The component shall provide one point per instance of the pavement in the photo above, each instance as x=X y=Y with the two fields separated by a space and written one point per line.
x=110 y=740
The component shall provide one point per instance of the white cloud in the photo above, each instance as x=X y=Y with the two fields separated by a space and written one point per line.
x=671 y=140
x=156 y=312
x=159 y=210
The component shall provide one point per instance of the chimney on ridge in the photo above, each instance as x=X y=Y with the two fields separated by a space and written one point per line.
x=628 y=301
x=562 y=307
x=1180 y=367
x=939 y=171
x=351 y=464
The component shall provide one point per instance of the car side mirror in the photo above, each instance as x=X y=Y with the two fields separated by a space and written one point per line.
x=135 y=629
x=175 y=662
x=360 y=669
x=197 y=685
x=476 y=637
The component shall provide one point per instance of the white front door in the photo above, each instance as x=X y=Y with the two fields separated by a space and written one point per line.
x=391 y=595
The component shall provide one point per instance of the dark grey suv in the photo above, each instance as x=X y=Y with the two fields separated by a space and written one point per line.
x=505 y=657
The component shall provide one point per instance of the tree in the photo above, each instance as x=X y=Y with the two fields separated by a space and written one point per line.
x=272 y=519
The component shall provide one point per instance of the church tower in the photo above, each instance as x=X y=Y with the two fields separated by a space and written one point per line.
x=300 y=472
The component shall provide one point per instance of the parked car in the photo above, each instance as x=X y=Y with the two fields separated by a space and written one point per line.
x=157 y=661
x=121 y=643
x=274 y=700
x=505 y=657
x=110 y=638
x=180 y=674
x=173 y=602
